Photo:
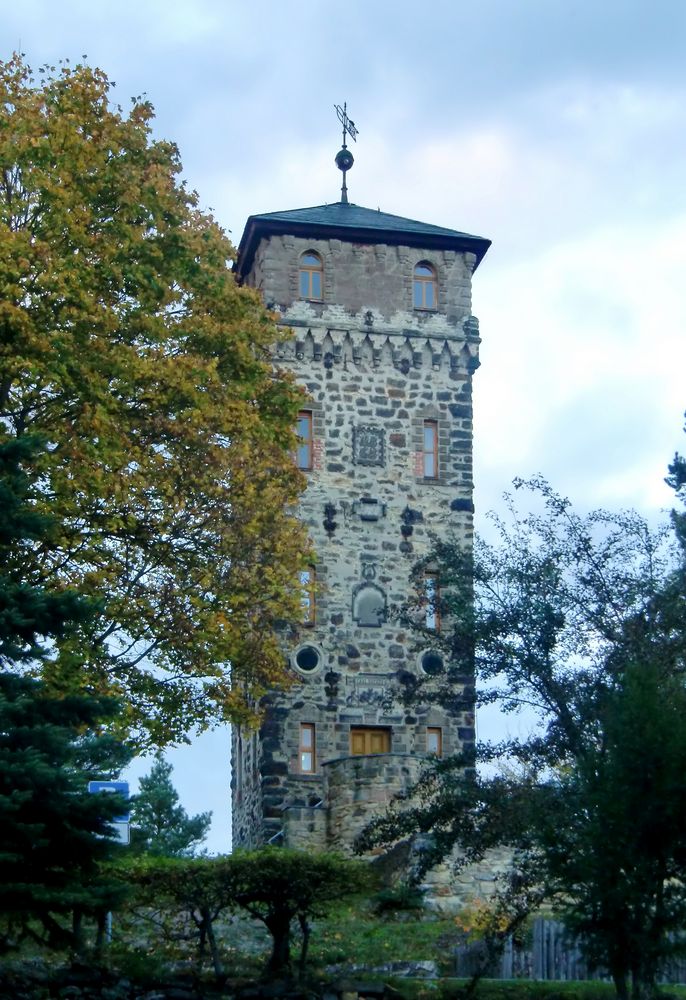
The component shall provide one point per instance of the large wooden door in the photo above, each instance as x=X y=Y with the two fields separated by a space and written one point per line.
x=369 y=740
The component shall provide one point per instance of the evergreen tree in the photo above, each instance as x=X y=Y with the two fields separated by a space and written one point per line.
x=677 y=480
x=27 y=611
x=53 y=833
x=160 y=825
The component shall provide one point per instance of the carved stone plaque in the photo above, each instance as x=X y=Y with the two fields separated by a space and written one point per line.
x=369 y=605
x=368 y=446
x=368 y=689
x=369 y=509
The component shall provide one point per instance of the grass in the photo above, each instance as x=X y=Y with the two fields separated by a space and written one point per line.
x=354 y=935
x=351 y=942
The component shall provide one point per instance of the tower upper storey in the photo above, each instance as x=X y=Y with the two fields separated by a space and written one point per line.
x=411 y=276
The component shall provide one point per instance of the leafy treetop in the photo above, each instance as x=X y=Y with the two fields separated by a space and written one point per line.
x=126 y=343
x=577 y=620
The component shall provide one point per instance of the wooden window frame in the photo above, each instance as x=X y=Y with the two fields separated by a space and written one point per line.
x=306 y=277
x=420 y=284
x=308 y=585
x=305 y=443
x=436 y=731
x=308 y=747
x=430 y=455
x=367 y=731
x=432 y=598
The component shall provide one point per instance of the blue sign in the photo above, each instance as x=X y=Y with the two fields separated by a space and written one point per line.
x=112 y=786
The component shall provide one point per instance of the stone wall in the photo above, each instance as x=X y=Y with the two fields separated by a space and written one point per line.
x=359 y=788
x=374 y=371
x=248 y=786
x=449 y=892
x=360 y=277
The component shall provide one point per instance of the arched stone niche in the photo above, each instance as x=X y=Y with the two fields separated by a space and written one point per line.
x=369 y=605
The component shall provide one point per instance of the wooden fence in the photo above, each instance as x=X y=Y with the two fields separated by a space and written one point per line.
x=550 y=954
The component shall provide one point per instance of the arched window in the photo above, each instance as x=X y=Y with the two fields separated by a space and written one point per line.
x=425 y=287
x=311 y=276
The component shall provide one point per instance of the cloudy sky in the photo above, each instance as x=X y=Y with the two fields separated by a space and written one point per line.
x=557 y=128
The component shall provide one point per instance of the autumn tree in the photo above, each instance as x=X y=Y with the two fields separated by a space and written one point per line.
x=126 y=343
x=159 y=823
x=576 y=621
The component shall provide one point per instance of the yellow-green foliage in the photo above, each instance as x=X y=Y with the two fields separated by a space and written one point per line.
x=482 y=918
x=126 y=343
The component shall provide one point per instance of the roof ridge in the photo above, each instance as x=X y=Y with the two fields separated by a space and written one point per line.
x=355 y=215
x=348 y=221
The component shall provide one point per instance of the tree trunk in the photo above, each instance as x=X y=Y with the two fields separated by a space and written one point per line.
x=305 y=928
x=644 y=979
x=77 y=931
x=279 y=926
x=621 y=985
x=214 y=950
x=202 y=937
x=100 y=934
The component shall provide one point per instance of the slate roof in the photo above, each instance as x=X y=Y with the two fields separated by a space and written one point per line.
x=355 y=224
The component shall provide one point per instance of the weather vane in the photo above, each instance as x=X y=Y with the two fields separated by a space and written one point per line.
x=344 y=158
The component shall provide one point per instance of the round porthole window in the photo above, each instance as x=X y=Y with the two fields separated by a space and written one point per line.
x=431 y=662
x=307 y=659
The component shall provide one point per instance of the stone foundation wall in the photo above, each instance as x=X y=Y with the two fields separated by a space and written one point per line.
x=356 y=789
x=359 y=788
x=450 y=892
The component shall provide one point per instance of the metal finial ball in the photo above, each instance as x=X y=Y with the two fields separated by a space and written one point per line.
x=344 y=159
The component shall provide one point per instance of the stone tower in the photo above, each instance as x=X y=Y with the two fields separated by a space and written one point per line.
x=385 y=345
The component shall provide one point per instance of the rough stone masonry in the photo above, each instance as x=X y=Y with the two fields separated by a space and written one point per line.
x=382 y=378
